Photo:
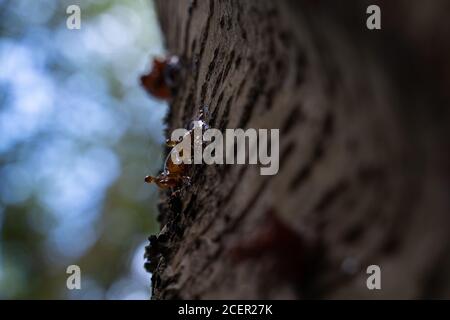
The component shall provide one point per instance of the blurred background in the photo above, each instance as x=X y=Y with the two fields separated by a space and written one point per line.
x=77 y=136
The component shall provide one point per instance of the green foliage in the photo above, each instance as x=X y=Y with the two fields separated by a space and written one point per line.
x=77 y=137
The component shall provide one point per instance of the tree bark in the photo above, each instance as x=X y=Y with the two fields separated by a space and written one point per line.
x=364 y=174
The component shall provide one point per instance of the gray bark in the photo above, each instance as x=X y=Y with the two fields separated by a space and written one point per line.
x=364 y=174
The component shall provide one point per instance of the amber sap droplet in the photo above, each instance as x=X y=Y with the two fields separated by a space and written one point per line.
x=162 y=80
x=164 y=181
x=276 y=239
x=174 y=169
x=174 y=174
x=154 y=82
x=171 y=143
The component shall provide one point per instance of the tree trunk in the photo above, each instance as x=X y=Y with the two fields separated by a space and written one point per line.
x=364 y=175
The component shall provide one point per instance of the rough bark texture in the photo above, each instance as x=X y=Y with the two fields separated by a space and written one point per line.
x=364 y=174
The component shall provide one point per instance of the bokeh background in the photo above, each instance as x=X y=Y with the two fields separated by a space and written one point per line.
x=77 y=136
